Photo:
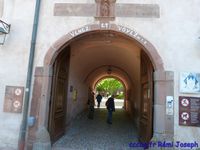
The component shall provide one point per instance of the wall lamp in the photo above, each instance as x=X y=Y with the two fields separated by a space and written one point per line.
x=109 y=70
x=4 y=30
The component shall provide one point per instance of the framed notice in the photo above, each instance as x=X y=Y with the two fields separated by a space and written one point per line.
x=189 y=82
x=74 y=95
x=13 y=101
x=189 y=111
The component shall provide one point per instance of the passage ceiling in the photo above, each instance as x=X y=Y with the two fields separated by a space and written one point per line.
x=105 y=48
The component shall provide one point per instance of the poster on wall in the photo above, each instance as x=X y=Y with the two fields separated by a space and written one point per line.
x=189 y=111
x=13 y=101
x=74 y=95
x=189 y=82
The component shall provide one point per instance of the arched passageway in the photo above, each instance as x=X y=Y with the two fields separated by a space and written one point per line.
x=86 y=59
x=76 y=64
x=108 y=86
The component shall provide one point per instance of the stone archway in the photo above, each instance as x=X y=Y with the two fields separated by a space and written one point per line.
x=163 y=80
x=121 y=80
x=151 y=51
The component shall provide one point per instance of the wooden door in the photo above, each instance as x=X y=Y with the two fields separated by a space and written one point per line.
x=57 y=117
x=146 y=111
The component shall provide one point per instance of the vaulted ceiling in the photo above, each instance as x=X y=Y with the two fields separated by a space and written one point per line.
x=106 y=50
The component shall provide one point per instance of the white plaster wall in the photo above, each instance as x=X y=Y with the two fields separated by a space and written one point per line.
x=1 y=7
x=13 y=63
x=54 y=27
x=175 y=36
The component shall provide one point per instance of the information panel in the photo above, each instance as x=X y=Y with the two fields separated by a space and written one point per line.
x=189 y=111
x=13 y=99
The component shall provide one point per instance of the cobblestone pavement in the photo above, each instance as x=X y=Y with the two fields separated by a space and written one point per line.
x=85 y=134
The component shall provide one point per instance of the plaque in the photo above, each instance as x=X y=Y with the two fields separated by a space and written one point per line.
x=74 y=96
x=169 y=105
x=189 y=82
x=13 y=101
x=189 y=111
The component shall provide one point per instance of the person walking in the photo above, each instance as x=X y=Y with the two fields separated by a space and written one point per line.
x=110 y=104
x=99 y=98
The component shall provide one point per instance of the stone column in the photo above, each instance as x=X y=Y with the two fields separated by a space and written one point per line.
x=35 y=106
x=42 y=141
x=163 y=124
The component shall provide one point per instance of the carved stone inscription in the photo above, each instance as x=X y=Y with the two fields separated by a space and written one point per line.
x=13 y=101
x=80 y=31
x=132 y=33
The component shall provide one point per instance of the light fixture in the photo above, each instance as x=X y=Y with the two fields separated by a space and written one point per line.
x=109 y=70
x=4 y=30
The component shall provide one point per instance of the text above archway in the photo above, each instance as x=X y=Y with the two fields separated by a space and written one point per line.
x=61 y=43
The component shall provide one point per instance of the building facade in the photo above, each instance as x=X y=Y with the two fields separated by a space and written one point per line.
x=151 y=46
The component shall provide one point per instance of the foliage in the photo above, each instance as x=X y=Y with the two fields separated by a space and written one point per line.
x=120 y=96
x=110 y=86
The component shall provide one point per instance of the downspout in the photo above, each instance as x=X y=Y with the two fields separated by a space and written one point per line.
x=23 y=127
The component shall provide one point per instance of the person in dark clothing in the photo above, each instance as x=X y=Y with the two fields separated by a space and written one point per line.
x=91 y=105
x=110 y=104
x=99 y=98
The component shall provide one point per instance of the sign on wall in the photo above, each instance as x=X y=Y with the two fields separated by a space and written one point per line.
x=13 y=101
x=169 y=105
x=189 y=82
x=74 y=95
x=189 y=111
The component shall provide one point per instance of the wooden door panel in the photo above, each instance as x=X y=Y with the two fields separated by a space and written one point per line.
x=59 y=128
x=59 y=112
x=145 y=132
x=60 y=95
x=57 y=116
x=144 y=127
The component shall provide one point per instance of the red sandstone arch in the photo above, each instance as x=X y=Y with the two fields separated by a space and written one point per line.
x=61 y=43
x=44 y=75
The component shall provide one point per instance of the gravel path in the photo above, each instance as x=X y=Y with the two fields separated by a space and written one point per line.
x=96 y=134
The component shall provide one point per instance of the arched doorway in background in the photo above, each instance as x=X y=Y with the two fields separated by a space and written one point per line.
x=109 y=86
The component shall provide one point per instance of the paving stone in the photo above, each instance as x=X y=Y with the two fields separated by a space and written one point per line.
x=96 y=134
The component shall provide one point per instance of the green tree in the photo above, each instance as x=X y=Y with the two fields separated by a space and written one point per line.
x=110 y=86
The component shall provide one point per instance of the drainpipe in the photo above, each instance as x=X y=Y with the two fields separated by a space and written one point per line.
x=23 y=127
